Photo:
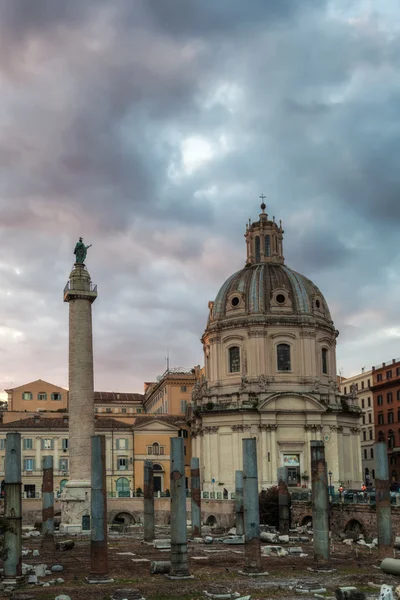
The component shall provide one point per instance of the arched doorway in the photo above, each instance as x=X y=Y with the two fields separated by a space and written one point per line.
x=158 y=473
x=123 y=489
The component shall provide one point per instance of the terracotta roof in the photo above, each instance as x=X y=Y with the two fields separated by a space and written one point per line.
x=172 y=419
x=26 y=385
x=118 y=397
x=61 y=423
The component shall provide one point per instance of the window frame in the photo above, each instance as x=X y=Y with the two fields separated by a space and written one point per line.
x=324 y=361
x=25 y=463
x=289 y=347
x=120 y=464
x=230 y=350
x=66 y=462
x=43 y=445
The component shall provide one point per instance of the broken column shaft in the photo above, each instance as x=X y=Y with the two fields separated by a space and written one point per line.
x=284 y=516
x=148 y=478
x=320 y=501
x=98 y=505
x=383 y=508
x=239 y=502
x=13 y=508
x=48 y=498
x=251 y=507
x=195 y=496
x=179 y=554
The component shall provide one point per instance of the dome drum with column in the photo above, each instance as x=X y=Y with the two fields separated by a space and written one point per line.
x=270 y=372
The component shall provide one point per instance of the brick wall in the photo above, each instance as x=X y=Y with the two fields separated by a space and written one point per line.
x=342 y=514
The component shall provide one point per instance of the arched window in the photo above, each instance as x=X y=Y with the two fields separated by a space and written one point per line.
x=257 y=248
x=283 y=357
x=381 y=438
x=380 y=419
x=157 y=467
x=122 y=487
x=234 y=359
x=156 y=448
x=267 y=245
x=325 y=361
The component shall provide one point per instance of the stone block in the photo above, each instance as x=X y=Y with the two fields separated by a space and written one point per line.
x=349 y=593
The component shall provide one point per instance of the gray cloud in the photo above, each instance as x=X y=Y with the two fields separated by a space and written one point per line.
x=152 y=131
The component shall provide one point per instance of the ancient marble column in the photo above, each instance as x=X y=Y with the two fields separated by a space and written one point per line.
x=80 y=295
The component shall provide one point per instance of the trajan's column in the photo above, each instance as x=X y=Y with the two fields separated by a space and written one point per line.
x=80 y=294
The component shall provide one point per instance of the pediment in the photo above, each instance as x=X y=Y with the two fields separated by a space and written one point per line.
x=156 y=425
x=291 y=402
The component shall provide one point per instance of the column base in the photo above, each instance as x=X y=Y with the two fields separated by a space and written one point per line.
x=11 y=582
x=75 y=508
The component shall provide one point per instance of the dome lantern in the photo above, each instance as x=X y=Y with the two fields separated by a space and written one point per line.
x=264 y=239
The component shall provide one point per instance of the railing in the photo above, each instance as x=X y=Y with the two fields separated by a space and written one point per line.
x=350 y=498
x=68 y=288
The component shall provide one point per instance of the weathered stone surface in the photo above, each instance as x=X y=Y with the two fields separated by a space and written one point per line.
x=40 y=570
x=236 y=540
x=349 y=593
x=295 y=550
x=270 y=538
x=127 y=594
x=162 y=544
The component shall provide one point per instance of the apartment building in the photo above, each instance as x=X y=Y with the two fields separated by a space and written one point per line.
x=359 y=387
x=386 y=397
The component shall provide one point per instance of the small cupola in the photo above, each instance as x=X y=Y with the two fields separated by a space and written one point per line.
x=264 y=239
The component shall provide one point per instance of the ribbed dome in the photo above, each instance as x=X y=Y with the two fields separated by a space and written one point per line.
x=269 y=288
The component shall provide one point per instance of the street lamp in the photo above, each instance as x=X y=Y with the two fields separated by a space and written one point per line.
x=330 y=486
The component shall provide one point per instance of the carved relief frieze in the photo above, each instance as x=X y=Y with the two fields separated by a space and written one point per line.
x=337 y=428
x=313 y=427
x=268 y=427
x=256 y=333
x=307 y=334
x=244 y=382
x=264 y=381
x=355 y=430
x=240 y=428
x=200 y=389
x=211 y=429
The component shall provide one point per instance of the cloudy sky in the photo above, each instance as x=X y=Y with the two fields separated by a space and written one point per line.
x=150 y=127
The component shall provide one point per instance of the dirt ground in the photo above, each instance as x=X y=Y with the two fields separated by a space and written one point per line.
x=218 y=566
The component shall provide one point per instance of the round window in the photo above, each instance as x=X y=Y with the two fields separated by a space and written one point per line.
x=280 y=298
x=317 y=303
x=235 y=301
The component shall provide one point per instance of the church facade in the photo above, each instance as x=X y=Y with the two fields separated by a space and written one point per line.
x=270 y=373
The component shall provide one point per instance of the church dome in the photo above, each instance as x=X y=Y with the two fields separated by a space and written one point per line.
x=266 y=286
x=269 y=288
